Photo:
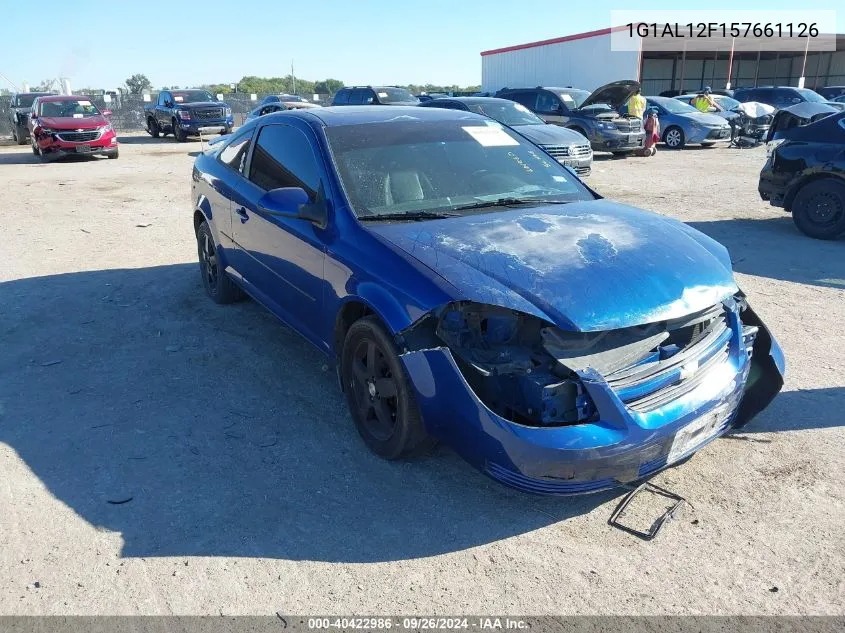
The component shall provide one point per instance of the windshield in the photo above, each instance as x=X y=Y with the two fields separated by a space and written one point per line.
x=25 y=101
x=508 y=112
x=811 y=95
x=417 y=166
x=75 y=108
x=726 y=102
x=573 y=98
x=192 y=96
x=673 y=106
x=395 y=95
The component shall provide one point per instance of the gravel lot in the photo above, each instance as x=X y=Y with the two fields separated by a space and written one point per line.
x=248 y=491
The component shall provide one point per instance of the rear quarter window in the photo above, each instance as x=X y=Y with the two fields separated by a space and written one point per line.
x=341 y=97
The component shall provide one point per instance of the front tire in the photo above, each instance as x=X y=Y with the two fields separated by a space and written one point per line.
x=114 y=155
x=218 y=285
x=380 y=397
x=178 y=133
x=674 y=137
x=152 y=127
x=819 y=209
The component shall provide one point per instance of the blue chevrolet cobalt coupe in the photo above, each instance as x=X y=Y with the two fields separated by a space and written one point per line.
x=470 y=289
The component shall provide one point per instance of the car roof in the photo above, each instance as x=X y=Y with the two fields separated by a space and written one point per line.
x=471 y=100
x=336 y=116
x=37 y=94
x=54 y=97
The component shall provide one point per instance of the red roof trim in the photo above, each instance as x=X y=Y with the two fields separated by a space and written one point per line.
x=556 y=40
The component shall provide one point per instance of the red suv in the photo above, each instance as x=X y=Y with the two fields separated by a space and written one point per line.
x=62 y=125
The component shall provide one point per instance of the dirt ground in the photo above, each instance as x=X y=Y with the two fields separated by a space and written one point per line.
x=160 y=454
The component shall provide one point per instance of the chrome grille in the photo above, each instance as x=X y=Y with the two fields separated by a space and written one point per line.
x=629 y=125
x=79 y=137
x=645 y=386
x=568 y=151
x=207 y=113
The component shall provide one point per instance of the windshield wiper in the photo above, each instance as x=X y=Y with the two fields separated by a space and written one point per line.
x=411 y=215
x=508 y=202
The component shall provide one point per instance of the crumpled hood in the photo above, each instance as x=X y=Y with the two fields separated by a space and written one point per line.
x=551 y=135
x=70 y=123
x=585 y=266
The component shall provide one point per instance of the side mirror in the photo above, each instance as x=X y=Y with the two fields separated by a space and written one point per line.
x=293 y=202
x=106 y=112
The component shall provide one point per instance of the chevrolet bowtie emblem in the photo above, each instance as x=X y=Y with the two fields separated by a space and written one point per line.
x=688 y=370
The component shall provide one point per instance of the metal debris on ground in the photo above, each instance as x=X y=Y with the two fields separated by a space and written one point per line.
x=659 y=522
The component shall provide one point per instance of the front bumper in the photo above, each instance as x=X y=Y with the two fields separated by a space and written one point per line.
x=53 y=144
x=220 y=126
x=621 y=447
x=616 y=141
x=708 y=134
x=582 y=165
x=771 y=187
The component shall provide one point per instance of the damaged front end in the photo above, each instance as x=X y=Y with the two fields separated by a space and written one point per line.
x=557 y=411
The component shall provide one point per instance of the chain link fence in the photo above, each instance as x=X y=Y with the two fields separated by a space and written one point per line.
x=128 y=111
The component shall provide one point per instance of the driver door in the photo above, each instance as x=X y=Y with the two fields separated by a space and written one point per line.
x=281 y=258
x=550 y=108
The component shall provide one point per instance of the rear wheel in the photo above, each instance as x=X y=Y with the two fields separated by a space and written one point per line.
x=674 y=137
x=218 y=285
x=152 y=127
x=819 y=209
x=378 y=392
x=20 y=135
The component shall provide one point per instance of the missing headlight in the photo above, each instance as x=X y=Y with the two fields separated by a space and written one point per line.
x=501 y=355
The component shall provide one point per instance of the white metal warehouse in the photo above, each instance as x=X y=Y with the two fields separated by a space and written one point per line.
x=585 y=60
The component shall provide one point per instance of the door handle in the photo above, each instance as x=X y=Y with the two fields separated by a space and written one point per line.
x=242 y=214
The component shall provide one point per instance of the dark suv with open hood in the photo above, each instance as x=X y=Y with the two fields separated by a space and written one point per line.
x=19 y=109
x=592 y=114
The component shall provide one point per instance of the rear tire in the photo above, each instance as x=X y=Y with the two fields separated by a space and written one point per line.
x=218 y=285
x=818 y=209
x=380 y=397
x=20 y=135
x=673 y=137
x=152 y=127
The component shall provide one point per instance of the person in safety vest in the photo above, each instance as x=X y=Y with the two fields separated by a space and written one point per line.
x=636 y=105
x=704 y=101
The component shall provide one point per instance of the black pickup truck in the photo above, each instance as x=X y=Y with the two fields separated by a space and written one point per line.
x=184 y=113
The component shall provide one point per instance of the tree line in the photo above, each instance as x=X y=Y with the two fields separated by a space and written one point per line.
x=139 y=83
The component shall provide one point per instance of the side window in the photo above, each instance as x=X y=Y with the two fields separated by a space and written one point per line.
x=547 y=103
x=368 y=96
x=164 y=98
x=763 y=96
x=356 y=97
x=283 y=158
x=341 y=97
x=234 y=154
x=528 y=99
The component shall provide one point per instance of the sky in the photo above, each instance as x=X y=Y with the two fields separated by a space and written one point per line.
x=101 y=43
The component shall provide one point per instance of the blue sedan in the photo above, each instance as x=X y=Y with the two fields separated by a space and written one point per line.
x=472 y=290
x=681 y=124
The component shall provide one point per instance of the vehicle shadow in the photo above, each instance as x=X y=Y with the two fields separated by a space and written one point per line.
x=780 y=250
x=22 y=157
x=197 y=429
x=797 y=410
x=145 y=140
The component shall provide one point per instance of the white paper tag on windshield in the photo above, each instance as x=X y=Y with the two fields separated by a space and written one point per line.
x=490 y=136
x=84 y=103
x=567 y=98
x=382 y=95
x=78 y=116
x=179 y=99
